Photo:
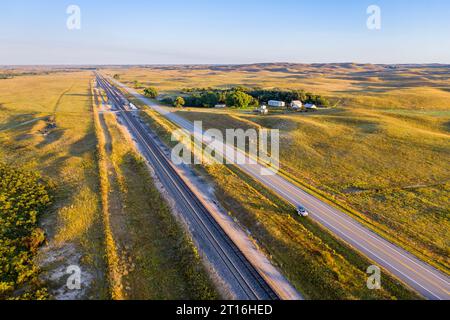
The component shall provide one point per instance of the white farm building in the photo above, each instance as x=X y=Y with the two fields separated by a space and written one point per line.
x=310 y=106
x=277 y=104
x=297 y=105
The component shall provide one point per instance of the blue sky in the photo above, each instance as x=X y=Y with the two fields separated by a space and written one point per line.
x=211 y=31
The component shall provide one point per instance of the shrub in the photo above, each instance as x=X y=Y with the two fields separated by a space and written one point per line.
x=23 y=198
x=168 y=101
x=179 y=102
x=151 y=92
x=137 y=84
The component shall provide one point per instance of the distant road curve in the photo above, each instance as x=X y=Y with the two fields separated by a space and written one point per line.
x=425 y=279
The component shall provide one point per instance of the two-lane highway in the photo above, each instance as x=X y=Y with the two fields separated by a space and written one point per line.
x=238 y=270
x=425 y=279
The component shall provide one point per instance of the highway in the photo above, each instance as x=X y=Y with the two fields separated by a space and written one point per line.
x=238 y=270
x=425 y=279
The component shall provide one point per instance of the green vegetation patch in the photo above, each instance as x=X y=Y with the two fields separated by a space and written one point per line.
x=23 y=198
x=241 y=97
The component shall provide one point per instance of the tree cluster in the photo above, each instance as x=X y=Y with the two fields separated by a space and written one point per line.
x=151 y=92
x=243 y=97
x=288 y=96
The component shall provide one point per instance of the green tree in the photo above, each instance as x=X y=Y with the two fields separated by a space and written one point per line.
x=179 y=102
x=322 y=102
x=241 y=88
x=137 y=84
x=222 y=96
x=151 y=92
x=209 y=99
x=238 y=99
x=168 y=101
x=297 y=95
x=116 y=76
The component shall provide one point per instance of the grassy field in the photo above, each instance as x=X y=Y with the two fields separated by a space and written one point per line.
x=382 y=151
x=390 y=166
x=153 y=258
x=349 y=85
x=46 y=126
x=317 y=264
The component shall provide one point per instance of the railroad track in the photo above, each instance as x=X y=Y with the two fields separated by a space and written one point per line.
x=245 y=274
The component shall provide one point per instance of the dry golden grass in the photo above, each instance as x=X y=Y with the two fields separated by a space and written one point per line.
x=390 y=166
x=165 y=263
x=317 y=264
x=383 y=151
x=108 y=195
x=351 y=85
x=65 y=154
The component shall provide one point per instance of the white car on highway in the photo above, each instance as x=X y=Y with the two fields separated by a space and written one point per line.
x=302 y=211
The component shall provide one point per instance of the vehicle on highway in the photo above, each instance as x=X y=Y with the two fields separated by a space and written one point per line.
x=302 y=211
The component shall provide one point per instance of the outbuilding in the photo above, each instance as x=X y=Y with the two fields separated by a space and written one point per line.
x=297 y=105
x=276 y=104
x=310 y=106
x=262 y=110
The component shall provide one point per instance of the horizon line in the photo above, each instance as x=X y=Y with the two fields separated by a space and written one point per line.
x=217 y=64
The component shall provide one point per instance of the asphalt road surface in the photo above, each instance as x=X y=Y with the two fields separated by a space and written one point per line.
x=425 y=279
x=236 y=269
